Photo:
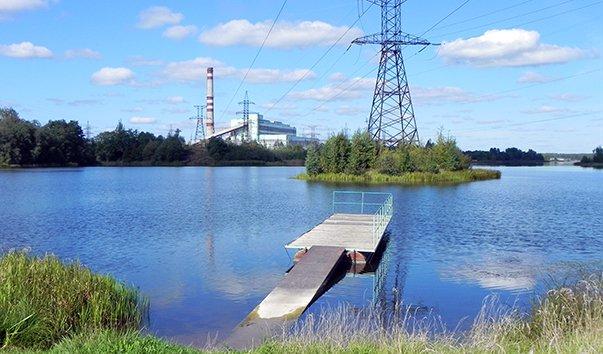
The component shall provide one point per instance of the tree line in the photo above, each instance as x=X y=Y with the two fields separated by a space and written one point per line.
x=509 y=156
x=360 y=154
x=597 y=157
x=62 y=143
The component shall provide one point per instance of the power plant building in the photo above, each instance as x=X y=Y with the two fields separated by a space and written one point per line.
x=266 y=132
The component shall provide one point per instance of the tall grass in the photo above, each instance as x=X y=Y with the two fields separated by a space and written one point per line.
x=43 y=300
x=65 y=308
x=566 y=320
x=410 y=178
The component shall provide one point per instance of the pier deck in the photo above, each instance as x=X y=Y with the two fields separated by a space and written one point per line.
x=358 y=227
x=306 y=281
x=360 y=231
x=354 y=232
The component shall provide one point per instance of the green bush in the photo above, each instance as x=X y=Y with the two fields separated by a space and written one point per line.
x=389 y=162
x=43 y=300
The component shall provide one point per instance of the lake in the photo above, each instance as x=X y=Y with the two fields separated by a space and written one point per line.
x=206 y=244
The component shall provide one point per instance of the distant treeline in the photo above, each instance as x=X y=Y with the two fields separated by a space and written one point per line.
x=595 y=161
x=510 y=156
x=61 y=143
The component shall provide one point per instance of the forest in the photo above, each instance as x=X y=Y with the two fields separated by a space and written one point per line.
x=60 y=143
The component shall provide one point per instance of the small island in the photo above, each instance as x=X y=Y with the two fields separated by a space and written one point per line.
x=361 y=160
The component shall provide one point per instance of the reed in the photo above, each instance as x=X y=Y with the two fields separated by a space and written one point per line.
x=568 y=319
x=410 y=178
x=43 y=300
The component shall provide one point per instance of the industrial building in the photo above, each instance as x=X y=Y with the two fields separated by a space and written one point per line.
x=251 y=127
x=266 y=132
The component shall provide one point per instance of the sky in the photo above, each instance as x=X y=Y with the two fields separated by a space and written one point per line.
x=524 y=73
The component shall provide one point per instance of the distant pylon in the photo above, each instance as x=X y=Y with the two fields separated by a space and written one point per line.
x=200 y=128
x=88 y=131
x=245 y=112
x=392 y=118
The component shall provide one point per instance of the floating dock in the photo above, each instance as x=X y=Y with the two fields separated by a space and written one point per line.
x=357 y=225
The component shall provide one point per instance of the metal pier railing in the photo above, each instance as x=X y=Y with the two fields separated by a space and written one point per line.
x=379 y=205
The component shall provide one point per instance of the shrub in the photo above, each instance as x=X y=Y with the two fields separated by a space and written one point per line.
x=43 y=300
x=388 y=162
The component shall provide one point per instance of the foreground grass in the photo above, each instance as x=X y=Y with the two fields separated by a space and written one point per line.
x=411 y=178
x=43 y=300
x=50 y=307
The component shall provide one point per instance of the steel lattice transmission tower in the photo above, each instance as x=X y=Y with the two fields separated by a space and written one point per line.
x=199 y=129
x=245 y=112
x=392 y=118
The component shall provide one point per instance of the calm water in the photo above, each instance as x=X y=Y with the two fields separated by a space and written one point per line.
x=206 y=244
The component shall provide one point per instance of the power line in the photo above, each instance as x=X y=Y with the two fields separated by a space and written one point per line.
x=486 y=14
x=319 y=60
x=445 y=17
x=517 y=16
x=535 y=121
x=278 y=15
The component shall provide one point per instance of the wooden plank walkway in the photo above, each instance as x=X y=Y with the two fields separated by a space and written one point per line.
x=295 y=292
x=354 y=232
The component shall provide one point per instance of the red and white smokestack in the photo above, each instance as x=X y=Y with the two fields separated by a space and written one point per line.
x=209 y=117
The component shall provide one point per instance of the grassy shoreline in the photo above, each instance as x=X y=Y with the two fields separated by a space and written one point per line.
x=47 y=306
x=410 y=178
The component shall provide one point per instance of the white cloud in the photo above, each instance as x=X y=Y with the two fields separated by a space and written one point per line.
x=341 y=89
x=195 y=70
x=142 y=120
x=158 y=16
x=508 y=47
x=284 y=35
x=530 y=77
x=82 y=53
x=434 y=95
x=175 y=100
x=179 y=32
x=25 y=50
x=544 y=109
x=350 y=111
x=568 y=97
x=142 y=61
x=112 y=76
x=189 y=70
x=21 y=5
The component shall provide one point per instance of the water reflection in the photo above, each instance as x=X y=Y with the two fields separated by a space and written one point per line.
x=500 y=271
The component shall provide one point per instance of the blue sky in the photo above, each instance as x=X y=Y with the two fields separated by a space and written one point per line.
x=519 y=73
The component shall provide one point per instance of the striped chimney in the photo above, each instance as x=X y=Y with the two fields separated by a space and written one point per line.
x=209 y=117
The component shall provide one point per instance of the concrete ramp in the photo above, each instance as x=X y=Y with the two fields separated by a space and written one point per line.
x=306 y=281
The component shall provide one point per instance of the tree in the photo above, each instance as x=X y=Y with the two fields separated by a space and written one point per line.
x=217 y=148
x=598 y=154
x=61 y=143
x=335 y=154
x=447 y=156
x=17 y=138
x=405 y=161
x=388 y=162
x=313 y=161
x=172 y=149
x=362 y=153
